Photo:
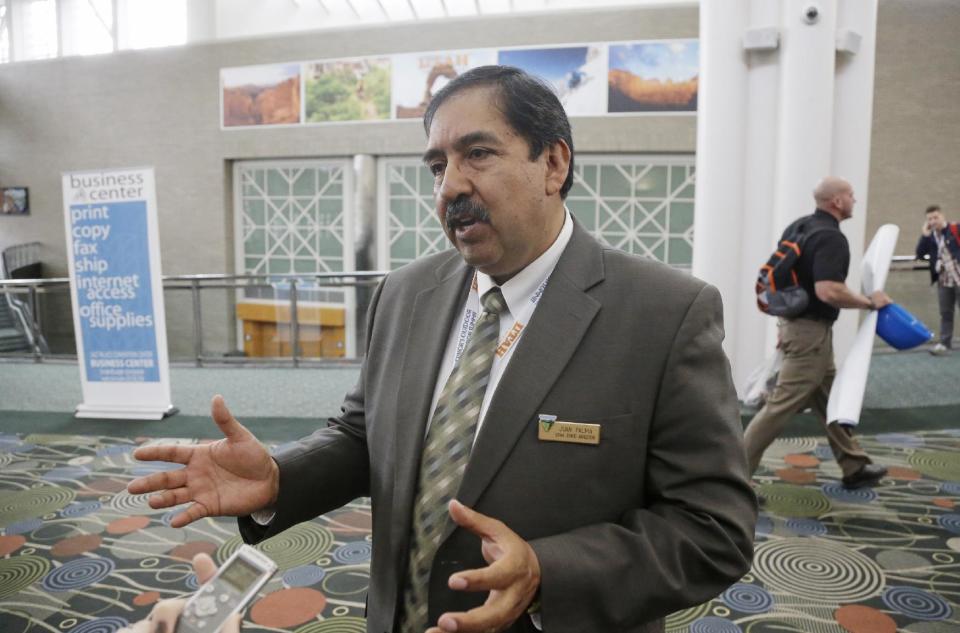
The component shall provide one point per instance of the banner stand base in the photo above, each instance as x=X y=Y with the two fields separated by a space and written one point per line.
x=124 y=412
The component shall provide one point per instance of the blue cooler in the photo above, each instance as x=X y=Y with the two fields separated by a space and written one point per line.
x=900 y=329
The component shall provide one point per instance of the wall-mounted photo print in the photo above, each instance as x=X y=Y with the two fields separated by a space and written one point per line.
x=348 y=90
x=419 y=76
x=14 y=201
x=654 y=77
x=261 y=95
x=575 y=72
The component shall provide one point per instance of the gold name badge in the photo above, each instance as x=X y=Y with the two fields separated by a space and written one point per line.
x=551 y=430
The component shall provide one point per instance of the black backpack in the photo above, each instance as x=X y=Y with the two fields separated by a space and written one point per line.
x=778 y=290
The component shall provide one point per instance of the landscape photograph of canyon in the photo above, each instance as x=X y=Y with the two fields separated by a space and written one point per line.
x=416 y=77
x=653 y=77
x=261 y=95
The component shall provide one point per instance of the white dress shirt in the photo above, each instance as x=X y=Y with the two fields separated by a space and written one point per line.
x=521 y=293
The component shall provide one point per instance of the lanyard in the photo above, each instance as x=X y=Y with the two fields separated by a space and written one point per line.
x=472 y=312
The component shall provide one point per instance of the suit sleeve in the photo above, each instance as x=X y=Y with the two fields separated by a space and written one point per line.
x=925 y=246
x=325 y=470
x=693 y=535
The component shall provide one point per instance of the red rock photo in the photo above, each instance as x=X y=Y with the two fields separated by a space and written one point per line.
x=262 y=105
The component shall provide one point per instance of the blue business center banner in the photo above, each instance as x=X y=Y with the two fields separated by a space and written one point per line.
x=114 y=295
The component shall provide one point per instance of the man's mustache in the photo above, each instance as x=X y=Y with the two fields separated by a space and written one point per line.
x=463 y=210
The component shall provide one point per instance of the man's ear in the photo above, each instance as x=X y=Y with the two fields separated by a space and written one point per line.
x=558 y=164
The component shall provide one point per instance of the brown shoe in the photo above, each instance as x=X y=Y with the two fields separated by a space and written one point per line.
x=868 y=475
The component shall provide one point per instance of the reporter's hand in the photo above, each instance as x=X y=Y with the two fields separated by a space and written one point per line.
x=880 y=299
x=927 y=230
x=231 y=477
x=163 y=618
x=512 y=578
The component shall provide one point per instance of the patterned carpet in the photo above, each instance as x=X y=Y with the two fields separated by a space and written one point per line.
x=78 y=554
x=829 y=560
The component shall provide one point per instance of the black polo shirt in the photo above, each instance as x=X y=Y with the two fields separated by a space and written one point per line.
x=825 y=256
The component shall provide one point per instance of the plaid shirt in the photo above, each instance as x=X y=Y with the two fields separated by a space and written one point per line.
x=948 y=265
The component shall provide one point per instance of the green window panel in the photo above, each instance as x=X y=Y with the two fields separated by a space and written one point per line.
x=614 y=182
x=255 y=244
x=292 y=219
x=404 y=247
x=639 y=204
x=408 y=220
x=305 y=184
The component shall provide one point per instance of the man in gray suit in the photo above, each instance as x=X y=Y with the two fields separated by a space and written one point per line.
x=546 y=427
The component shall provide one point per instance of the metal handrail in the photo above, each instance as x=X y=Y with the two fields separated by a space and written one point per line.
x=919 y=262
x=364 y=274
x=12 y=259
x=195 y=283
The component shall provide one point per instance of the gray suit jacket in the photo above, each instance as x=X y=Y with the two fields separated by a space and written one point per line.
x=658 y=517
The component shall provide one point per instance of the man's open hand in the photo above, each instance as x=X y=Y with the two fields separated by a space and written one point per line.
x=230 y=477
x=512 y=577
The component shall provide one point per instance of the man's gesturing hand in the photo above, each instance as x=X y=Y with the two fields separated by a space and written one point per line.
x=512 y=578
x=231 y=477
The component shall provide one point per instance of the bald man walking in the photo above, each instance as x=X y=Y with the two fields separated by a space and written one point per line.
x=807 y=340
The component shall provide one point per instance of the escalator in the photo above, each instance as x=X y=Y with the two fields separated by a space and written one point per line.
x=17 y=335
x=12 y=338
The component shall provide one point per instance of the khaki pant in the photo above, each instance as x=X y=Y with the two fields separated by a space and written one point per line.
x=804 y=381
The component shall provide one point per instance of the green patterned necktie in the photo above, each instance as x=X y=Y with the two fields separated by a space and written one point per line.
x=446 y=451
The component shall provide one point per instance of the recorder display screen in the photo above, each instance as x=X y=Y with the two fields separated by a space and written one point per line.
x=240 y=574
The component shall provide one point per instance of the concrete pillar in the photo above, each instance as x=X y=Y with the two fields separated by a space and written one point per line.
x=201 y=21
x=755 y=332
x=721 y=129
x=852 y=127
x=771 y=124
x=365 y=237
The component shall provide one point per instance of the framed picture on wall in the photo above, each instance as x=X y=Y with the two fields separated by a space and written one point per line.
x=14 y=201
x=656 y=76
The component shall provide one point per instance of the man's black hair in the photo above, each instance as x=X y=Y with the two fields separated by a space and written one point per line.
x=528 y=104
x=932 y=208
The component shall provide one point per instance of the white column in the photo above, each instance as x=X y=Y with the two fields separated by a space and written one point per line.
x=852 y=125
x=201 y=21
x=807 y=56
x=755 y=333
x=771 y=124
x=721 y=127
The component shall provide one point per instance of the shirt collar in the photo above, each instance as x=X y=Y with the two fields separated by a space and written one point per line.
x=521 y=286
x=820 y=213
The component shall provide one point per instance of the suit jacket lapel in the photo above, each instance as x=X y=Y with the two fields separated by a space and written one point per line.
x=434 y=311
x=560 y=321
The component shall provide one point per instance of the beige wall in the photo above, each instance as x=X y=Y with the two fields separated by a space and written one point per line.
x=162 y=108
x=915 y=152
